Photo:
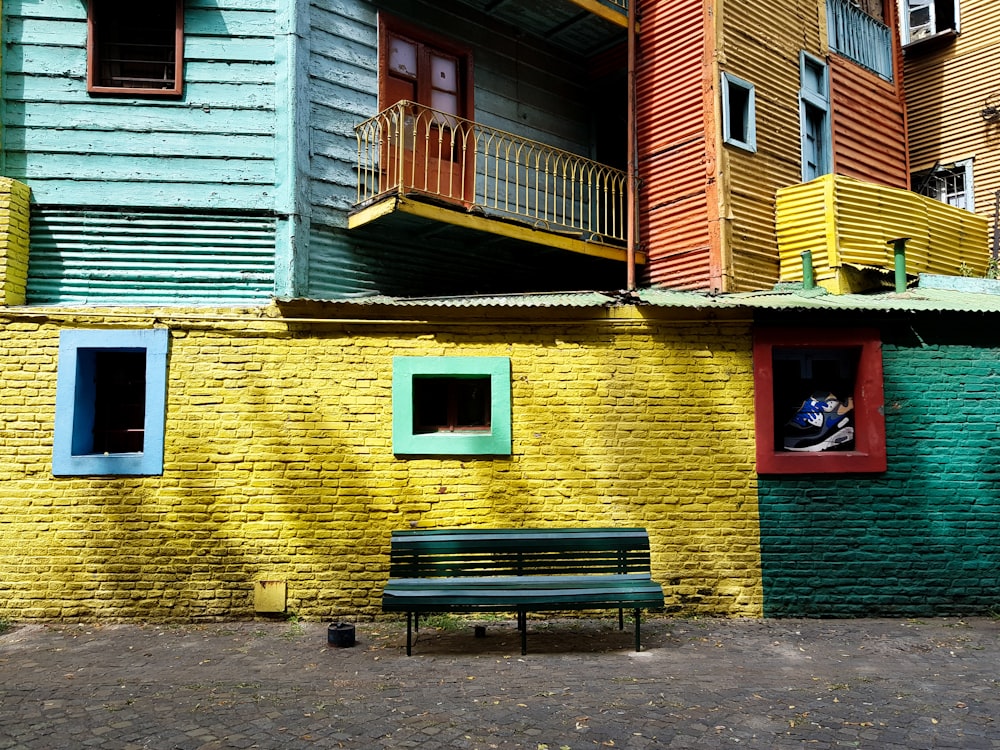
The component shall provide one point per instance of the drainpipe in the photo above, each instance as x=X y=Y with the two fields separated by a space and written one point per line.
x=808 y=277
x=899 y=249
x=633 y=178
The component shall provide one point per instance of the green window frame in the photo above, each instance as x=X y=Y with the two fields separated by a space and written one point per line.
x=410 y=438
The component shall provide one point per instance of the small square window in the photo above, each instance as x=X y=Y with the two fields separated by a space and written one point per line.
x=110 y=403
x=135 y=49
x=739 y=113
x=819 y=397
x=451 y=405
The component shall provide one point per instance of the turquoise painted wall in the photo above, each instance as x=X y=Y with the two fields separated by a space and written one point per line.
x=145 y=200
x=213 y=148
x=239 y=190
x=924 y=538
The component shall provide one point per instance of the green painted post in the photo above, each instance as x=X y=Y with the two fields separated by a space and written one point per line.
x=899 y=248
x=808 y=277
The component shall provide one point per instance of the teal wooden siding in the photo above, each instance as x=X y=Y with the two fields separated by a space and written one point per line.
x=265 y=128
x=120 y=257
x=920 y=539
x=214 y=148
x=104 y=170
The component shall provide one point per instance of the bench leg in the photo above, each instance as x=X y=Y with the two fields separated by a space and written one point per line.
x=621 y=618
x=409 y=632
x=522 y=623
x=637 y=647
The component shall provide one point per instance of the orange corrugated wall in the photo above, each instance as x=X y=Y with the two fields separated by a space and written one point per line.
x=675 y=136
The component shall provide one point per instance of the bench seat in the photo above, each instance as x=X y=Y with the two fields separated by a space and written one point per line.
x=517 y=570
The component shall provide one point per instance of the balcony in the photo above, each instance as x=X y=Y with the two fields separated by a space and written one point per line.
x=425 y=163
x=847 y=225
x=857 y=36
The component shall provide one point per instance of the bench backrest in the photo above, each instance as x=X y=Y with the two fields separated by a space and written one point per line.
x=435 y=553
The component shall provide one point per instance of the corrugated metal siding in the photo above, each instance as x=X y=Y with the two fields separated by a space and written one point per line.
x=214 y=148
x=946 y=89
x=766 y=53
x=847 y=221
x=674 y=147
x=104 y=257
x=869 y=140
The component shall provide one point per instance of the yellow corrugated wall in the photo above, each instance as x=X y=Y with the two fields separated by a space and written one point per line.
x=947 y=86
x=14 y=229
x=844 y=221
x=761 y=43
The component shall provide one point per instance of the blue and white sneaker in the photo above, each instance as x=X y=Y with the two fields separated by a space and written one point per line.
x=822 y=423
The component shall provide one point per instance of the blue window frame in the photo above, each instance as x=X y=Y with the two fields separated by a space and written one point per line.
x=739 y=113
x=451 y=406
x=814 y=117
x=110 y=403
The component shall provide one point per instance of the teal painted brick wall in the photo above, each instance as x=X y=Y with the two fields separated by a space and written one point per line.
x=923 y=538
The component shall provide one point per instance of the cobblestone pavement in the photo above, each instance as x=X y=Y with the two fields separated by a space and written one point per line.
x=882 y=684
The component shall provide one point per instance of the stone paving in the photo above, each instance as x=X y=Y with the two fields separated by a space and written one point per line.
x=706 y=683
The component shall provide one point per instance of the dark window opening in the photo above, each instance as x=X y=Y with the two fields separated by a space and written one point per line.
x=814 y=399
x=739 y=109
x=873 y=8
x=451 y=404
x=119 y=401
x=135 y=48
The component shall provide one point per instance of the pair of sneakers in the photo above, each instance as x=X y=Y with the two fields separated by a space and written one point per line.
x=822 y=423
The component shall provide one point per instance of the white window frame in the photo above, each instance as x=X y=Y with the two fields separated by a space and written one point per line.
x=729 y=82
x=907 y=31
x=963 y=166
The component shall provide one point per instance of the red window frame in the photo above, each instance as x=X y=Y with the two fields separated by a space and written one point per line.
x=869 y=453
x=97 y=84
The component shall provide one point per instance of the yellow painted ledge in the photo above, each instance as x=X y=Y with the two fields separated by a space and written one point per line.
x=513 y=230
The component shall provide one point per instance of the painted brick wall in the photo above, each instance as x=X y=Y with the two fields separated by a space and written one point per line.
x=278 y=465
x=922 y=538
x=13 y=241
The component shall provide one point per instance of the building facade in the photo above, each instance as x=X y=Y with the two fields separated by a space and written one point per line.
x=280 y=277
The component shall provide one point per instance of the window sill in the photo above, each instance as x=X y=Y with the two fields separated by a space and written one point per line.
x=929 y=43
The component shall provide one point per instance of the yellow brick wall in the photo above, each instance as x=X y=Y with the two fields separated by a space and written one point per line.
x=13 y=241
x=278 y=464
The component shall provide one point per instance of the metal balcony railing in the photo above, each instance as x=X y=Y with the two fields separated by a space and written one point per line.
x=410 y=149
x=859 y=37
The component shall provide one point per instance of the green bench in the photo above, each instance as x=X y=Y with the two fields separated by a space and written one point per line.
x=519 y=570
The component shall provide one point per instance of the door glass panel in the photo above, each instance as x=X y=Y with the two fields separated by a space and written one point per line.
x=447 y=103
x=444 y=73
x=403 y=57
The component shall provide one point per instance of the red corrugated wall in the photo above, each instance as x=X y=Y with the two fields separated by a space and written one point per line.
x=869 y=119
x=676 y=157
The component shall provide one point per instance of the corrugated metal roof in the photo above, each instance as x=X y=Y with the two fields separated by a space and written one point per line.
x=932 y=294
x=540 y=299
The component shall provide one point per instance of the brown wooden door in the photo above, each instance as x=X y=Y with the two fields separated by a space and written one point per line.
x=432 y=147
